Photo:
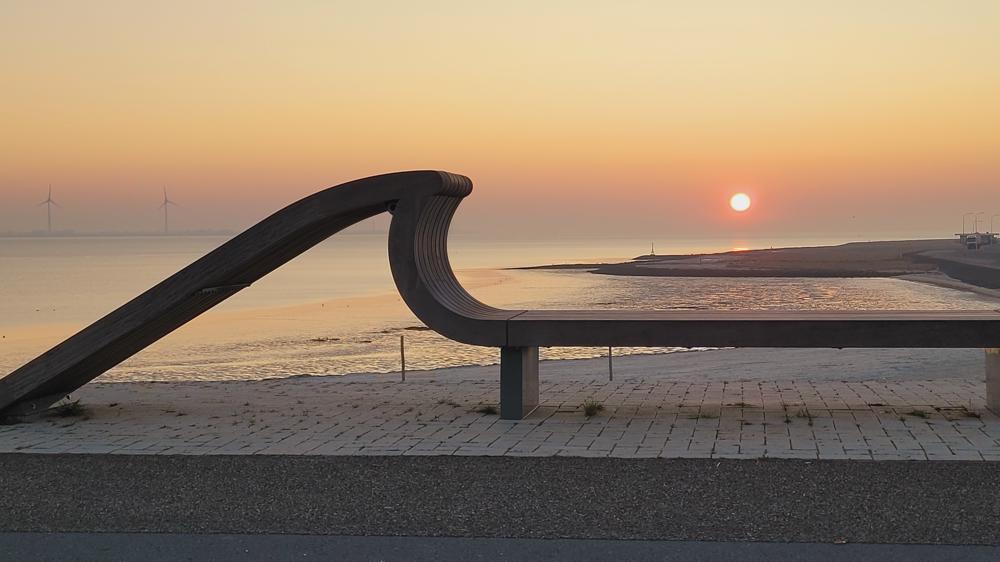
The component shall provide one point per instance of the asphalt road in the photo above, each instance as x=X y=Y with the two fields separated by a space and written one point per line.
x=552 y=498
x=100 y=547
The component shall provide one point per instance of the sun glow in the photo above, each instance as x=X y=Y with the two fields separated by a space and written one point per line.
x=740 y=202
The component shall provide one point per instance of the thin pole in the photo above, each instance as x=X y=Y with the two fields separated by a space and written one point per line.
x=402 y=358
x=611 y=367
x=166 y=211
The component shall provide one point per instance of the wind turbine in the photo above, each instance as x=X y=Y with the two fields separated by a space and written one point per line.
x=166 y=208
x=48 y=204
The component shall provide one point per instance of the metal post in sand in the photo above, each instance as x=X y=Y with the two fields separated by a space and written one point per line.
x=402 y=358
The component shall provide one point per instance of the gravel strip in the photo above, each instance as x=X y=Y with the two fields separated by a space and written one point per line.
x=692 y=499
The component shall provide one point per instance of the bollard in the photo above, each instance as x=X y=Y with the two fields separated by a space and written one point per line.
x=402 y=359
x=611 y=368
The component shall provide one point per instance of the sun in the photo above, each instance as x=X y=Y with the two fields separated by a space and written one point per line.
x=740 y=202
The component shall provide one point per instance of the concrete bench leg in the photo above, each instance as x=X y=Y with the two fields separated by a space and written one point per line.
x=518 y=382
x=993 y=379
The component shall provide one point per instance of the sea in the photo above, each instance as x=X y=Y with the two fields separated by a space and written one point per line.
x=335 y=311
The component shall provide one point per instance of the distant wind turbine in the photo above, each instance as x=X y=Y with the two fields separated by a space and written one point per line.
x=166 y=210
x=48 y=204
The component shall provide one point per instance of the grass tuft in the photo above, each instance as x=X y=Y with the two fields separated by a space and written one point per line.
x=71 y=410
x=591 y=407
x=805 y=413
x=487 y=409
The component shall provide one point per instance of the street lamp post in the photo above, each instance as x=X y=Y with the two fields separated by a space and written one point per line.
x=977 y=220
x=991 y=224
x=963 y=224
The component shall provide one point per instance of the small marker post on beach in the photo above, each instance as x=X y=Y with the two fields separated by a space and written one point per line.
x=611 y=368
x=402 y=358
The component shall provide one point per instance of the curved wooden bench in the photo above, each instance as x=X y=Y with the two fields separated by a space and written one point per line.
x=418 y=256
x=211 y=280
x=423 y=204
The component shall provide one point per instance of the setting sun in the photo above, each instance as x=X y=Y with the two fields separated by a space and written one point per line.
x=740 y=202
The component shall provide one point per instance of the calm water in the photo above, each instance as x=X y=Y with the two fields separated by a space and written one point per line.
x=335 y=310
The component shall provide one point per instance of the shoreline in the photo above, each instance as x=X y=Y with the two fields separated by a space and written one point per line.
x=708 y=365
x=309 y=331
x=939 y=262
x=309 y=328
x=939 y=279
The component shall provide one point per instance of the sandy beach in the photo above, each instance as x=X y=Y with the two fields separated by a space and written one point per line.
x=911 y=259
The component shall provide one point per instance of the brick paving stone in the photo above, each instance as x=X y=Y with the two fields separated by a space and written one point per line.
x=643 y=417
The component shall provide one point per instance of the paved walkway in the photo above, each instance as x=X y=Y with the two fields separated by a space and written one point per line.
x=434 y=414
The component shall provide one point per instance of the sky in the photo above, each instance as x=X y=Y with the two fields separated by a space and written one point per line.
x=610 y=119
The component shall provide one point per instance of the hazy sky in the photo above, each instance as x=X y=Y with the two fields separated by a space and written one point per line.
x=572 y=118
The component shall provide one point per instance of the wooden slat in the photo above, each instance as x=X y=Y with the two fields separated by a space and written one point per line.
x=760 y=315
x=796 y=329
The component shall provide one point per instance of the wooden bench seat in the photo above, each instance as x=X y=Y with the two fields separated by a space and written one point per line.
x=712 y=328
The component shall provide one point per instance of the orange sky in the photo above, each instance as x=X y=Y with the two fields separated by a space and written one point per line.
x=628 y=118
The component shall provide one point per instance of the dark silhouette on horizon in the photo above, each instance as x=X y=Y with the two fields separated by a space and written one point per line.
x=166 y=207
x=48 y=207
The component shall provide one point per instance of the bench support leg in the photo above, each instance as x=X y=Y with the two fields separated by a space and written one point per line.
x=993 y=379
x=518 y=382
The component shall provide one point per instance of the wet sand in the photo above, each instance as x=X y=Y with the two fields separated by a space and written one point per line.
x=322 y=322
x=925 y=261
